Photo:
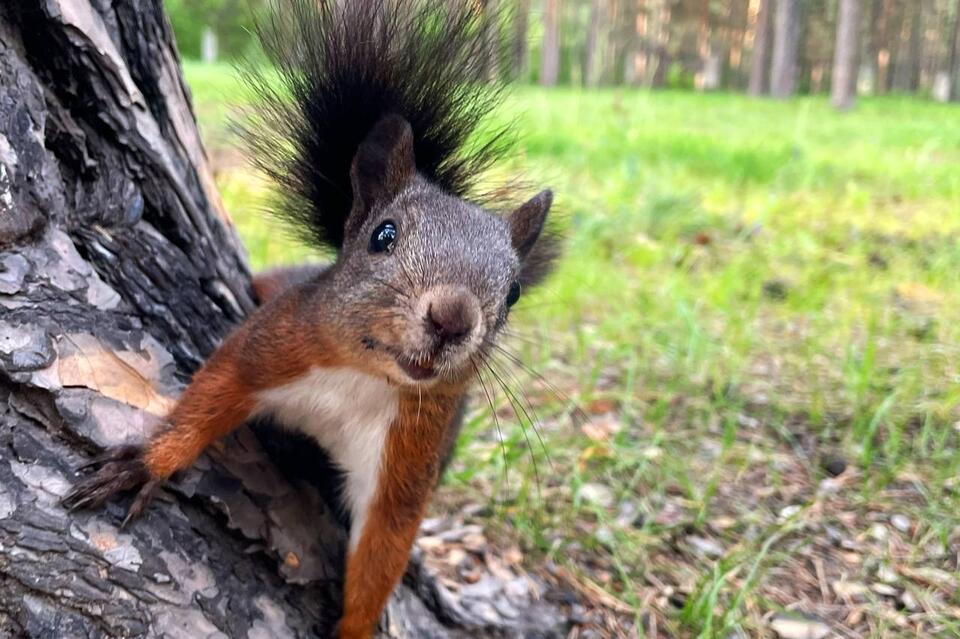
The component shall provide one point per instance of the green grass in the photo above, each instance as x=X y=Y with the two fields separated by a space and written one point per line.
x=749 y=287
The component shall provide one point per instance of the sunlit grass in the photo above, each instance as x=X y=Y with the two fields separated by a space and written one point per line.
x=747 y=283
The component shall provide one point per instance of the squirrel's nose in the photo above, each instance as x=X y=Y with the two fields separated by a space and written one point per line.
x=452 y=317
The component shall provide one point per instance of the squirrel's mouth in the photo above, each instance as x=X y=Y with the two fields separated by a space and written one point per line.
x=419 y=369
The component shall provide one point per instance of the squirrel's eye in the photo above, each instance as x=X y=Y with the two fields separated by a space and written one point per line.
x=513 y=294
x=383 y=237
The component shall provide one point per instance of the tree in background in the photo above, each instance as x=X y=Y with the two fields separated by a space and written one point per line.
x=591 y=63
x=521 y=40
x=953 y=59
x=906 y=71
x=846 y=61
x=777 y=47
x=786 y=42
x=550 y=51
x=760 y=61
x=231 y=21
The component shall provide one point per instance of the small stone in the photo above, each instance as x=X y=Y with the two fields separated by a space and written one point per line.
x=605 y=536
x=879 y=532
x=886 y=574
x=885 y=590
x=627 y=514
x=789 y=511
x=909 y=601
x=799 y=627
x=705 y=547
x=596 y=494
x=901 y=523
x=833 y=465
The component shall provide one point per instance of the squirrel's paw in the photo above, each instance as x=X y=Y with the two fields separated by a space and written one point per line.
x=117 y=470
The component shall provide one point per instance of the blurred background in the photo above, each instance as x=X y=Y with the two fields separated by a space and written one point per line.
x=733 y=412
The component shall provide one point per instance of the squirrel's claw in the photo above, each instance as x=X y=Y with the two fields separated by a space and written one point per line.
x=119 y=453
x=141 y=501
x=117 y=470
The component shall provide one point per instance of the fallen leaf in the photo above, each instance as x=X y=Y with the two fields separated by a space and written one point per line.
x=601 y=429
x=917 y=296
x=601 y=406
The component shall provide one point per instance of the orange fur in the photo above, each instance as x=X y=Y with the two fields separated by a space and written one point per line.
x=270 y=284
x=274 y=347
x=268 y=350
x=410 y=467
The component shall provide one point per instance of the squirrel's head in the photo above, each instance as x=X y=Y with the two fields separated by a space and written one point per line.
x=426 y=280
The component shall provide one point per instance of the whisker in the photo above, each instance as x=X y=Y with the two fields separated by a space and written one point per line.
x=533 y=420
x=496 y=421
x=559 y=394
x=513 y=404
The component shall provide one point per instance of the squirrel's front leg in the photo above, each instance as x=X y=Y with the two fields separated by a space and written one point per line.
x=383 y=535
x=215 y=403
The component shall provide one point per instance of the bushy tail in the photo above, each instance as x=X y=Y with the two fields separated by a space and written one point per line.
x=340 y=66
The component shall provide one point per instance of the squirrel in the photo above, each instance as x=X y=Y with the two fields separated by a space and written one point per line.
x=368 y=124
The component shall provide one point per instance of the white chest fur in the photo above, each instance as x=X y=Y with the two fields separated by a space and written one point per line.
x=349 y=414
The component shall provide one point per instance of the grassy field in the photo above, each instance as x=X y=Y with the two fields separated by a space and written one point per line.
x=753 y=407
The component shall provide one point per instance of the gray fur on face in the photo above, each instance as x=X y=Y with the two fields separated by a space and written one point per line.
x=444 y=247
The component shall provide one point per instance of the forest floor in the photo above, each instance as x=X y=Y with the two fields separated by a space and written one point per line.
x=745 y=417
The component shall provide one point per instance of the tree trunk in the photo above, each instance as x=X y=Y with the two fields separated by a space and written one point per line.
x=906 y=72
x=871 y=49
x=119 y=273
x=521 y=40
x=846 y=63
x=550 y=55
x=661 y=53
x=591 y=66
x=760 y=62
x=737 y=26
x=783 y=71
x=953 y=59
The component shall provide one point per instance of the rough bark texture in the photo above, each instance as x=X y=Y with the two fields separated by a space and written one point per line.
x=786 y=42
x=119 y=273
x=846 y=55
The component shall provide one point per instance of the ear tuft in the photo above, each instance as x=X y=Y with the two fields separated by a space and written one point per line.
x=382 y=166
x=528 y=220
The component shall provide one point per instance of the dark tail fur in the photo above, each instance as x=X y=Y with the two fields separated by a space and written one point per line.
x=343 y=65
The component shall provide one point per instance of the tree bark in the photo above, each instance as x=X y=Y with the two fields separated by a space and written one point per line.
x=760 y=63
x=550 y=55
x=119 y=273
x=846 y=62
x=783 y=68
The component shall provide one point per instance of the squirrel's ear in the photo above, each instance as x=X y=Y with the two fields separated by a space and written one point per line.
x=383 y=165
x=527 y=221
